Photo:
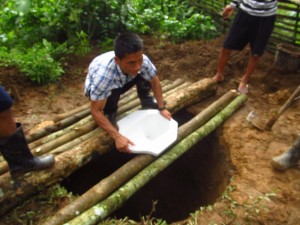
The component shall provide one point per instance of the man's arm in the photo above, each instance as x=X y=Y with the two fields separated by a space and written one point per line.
x=157 y=91
x=97 y=113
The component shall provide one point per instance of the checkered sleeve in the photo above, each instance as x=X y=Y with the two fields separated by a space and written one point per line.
x=98 y=81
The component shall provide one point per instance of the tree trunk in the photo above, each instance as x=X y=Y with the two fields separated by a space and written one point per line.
x=69 y=161
x=119 y=197
x=131 y=168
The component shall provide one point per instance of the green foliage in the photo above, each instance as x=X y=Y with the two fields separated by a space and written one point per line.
x=58 y=191
x=28 y=27
x=80 y=43
x=40 y=62
x=195 y=27
x=177 y=20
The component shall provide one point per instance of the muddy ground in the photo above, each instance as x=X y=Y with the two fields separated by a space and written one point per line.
x=252 y=191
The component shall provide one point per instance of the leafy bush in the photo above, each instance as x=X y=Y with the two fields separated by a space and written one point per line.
x=41 y=63
x=177 y=20
x=25 y=25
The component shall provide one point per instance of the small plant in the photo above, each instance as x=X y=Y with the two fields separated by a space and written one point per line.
x=58 y=192
x=81 y=44
x=41 y=63
x=194 y=218
x=255 y=205
x=252 y=207
x=124 y=221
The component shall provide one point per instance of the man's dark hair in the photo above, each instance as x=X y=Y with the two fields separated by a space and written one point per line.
x=127 y=43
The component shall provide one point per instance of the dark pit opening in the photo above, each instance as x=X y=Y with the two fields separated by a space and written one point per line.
x=195 y=179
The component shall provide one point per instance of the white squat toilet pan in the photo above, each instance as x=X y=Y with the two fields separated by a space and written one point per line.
x=149 y=131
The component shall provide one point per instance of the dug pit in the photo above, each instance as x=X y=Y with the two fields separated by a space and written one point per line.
x=195 y=179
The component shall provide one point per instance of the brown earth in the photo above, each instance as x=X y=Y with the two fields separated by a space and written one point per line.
x=249 y=149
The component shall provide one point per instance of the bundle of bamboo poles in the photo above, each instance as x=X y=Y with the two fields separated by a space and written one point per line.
x=74 y=137
x=109 y=194
x=103 y=206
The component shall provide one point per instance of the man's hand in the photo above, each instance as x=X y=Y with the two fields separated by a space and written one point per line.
x=228 y=11
x=165 y=113
x=122 y=144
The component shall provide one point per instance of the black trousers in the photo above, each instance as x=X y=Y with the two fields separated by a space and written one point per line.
x=113 y=100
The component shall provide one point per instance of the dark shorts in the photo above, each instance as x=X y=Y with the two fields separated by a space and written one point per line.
x=250 y=29
x=112 y=101
x=5 y=100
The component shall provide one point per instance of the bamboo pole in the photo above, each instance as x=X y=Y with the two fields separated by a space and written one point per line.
x=119 y=197
x=106 y=186
x=71 y=144
x=166 y=85
x=61 y=116
x=40 y=150
x=69 y=161
x=59 y=133
x=57 y=126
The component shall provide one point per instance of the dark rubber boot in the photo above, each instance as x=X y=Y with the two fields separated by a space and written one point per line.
x=289 y=158
x=20 y=160
x=147 y=100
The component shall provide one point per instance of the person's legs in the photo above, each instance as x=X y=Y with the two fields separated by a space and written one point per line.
x=143 y=89
x=252 y=63
x=260 y=29
x=111 y=106
x=223 y=59
x=236 y=39
x=7 y=123
x=16 y=152
x=13 y=145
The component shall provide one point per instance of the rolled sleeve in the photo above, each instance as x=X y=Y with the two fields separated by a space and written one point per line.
x=99 y=79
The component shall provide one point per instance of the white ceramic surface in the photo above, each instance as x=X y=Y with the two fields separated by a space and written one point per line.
x=149 y=131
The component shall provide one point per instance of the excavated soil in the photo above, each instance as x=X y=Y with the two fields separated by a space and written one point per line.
x=256 y=193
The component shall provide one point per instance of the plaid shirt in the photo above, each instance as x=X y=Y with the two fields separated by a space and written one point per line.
x=104 y=75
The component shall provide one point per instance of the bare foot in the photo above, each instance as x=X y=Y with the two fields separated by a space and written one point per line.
x=218 y=78
x=243 y=88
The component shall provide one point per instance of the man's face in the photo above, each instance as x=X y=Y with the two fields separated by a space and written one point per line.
x=131 y=63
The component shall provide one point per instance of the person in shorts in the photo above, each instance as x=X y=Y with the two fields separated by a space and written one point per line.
x=253 y=25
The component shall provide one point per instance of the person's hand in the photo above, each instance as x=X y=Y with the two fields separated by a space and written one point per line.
x=122 y=143
x=165 y=113
x=227 y=12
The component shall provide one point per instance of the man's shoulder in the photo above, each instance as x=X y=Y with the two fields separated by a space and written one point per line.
x=105 y=60
x=105 y=57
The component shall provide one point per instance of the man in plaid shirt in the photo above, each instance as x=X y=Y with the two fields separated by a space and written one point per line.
x=112 y=74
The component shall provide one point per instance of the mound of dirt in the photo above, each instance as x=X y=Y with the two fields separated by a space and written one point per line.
x=257 y=194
